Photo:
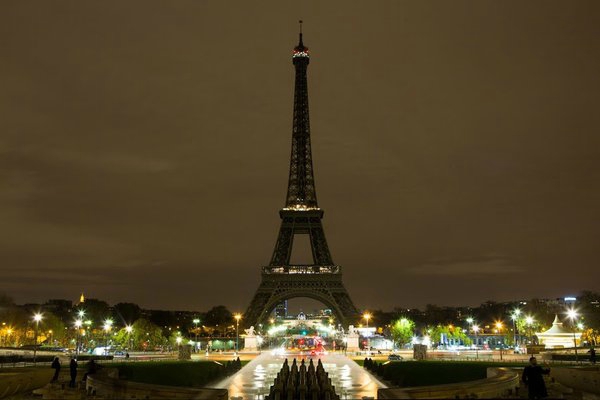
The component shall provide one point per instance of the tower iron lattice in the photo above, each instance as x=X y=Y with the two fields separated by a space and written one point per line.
x=282 y=280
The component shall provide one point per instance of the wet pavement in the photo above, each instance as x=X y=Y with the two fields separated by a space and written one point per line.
x=254 y=380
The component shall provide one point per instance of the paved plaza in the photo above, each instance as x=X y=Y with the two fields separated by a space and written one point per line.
x=254 y=380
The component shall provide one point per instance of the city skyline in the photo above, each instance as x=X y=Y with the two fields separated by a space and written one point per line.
x=145 y=158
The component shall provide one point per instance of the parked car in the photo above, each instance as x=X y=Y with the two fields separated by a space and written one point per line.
x=395 y=357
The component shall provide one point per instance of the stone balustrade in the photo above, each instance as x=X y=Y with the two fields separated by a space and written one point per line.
x=585 y=380
x=23 y=380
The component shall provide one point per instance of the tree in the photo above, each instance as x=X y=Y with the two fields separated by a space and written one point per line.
x=218 y=315
x=95 y=310
x=127 y=312
x=52 y=330
x=145 y=335
x=402 y=331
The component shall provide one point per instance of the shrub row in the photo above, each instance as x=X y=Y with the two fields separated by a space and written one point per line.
x=412 y=373
x=177 y=373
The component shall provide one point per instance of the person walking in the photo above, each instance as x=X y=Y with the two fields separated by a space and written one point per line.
x=56 y=365
x=73 y=370
x=592 y=355
x=534 y=380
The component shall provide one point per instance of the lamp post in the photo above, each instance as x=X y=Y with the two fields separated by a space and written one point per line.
x=476 y=330
x=196 y=321
x=367 y=317
x=515 y=317
x=37 y=318
x=129 y=329
x=78 y=324
x=237 y=317
x=529 y=321
x=572 y=315
x=499 y=326
x=470 y=322
x=107 y=327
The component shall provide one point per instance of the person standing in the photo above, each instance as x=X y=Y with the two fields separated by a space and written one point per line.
x=73 y=371
x=533 y=378
x=593 y=355
x=56 y=365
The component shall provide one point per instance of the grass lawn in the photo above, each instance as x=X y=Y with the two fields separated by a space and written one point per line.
x=171 y=373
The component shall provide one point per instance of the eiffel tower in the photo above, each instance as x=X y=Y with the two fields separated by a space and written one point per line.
x=281 y=280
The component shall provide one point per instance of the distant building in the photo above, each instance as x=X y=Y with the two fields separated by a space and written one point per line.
x=281 y=310
x=558 y=336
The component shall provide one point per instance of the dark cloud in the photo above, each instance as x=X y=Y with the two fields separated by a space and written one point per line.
x=144 y=147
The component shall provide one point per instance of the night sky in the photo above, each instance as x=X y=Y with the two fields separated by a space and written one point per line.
x=144 y=148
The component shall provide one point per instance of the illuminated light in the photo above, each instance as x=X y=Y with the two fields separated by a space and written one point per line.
x=129 y=328
x=499 y=325
x=178 y=340
x=529 y=320
x=237 y=317
x=475 y=328
x=298 y=53
x=301 y=207
x=78 y=323
x=580 y=326
x=572 y=314
x=570 y=298
x=108 y=324
x=37 y=317
x=515 y=315
x=470 y=320
x=426 y=341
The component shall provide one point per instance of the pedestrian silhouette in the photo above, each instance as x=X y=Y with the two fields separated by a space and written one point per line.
x=56 y=365
x=592 y=355
x=73 y=371
x=91 y=369
x=534 y=380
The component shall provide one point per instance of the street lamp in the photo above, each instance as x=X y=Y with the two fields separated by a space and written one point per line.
x=529 y=322
x=515 y=317
x=572 y=315
x=107 y=327
x=129 y=329
x=237 y=317
x=499 y=326
x=196 y=321
x=367 y=317
x=476 y=330
x=78 y=324
x=470 y=321
x=37 y=318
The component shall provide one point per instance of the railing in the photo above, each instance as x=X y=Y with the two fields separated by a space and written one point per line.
x=302 y=269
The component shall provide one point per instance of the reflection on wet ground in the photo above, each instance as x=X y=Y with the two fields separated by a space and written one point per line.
x=253 y=381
